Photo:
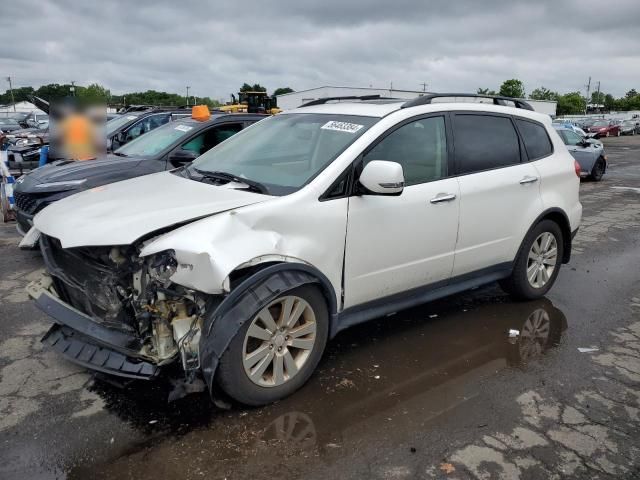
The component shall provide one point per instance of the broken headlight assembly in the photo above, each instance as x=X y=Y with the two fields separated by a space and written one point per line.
x=162 y=266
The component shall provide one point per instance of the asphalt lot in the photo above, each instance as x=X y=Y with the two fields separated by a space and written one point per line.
x=439 y=391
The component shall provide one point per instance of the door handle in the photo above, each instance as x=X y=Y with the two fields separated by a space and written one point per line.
x=528 y=179
x=443 y=197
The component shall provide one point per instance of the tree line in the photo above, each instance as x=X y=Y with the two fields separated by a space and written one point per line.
x=572 y=103
x=95 y=93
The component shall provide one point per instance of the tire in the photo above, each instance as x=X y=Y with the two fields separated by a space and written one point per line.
x=518 y=284
x=598 y=170
x=233 y=377
x=607 y=134
x=618 y=134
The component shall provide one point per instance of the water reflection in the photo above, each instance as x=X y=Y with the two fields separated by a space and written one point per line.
x=401 y=372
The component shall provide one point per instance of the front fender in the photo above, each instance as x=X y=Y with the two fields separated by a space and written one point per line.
x=210 y=249
x=223 y=321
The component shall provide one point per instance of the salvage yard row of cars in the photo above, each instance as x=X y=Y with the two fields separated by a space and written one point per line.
x=238 y=246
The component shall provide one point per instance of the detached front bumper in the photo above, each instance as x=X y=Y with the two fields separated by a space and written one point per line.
x=81 y=340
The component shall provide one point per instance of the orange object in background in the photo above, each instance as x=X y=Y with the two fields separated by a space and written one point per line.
x=200 y=113
x=78 y=137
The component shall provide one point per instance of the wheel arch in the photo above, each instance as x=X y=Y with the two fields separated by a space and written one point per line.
x=226 y=315
x=558 y=216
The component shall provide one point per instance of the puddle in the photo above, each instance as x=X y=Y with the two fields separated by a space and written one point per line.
x=381 y=380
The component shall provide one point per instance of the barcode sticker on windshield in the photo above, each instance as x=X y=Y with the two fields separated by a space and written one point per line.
x=342 y=126
x=183 y=128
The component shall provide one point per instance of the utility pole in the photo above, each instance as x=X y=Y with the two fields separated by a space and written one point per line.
x=72 y=88
x=588 y=97
x=598 y=96
x=11 y=90
x=424 y=86
x=188 y=87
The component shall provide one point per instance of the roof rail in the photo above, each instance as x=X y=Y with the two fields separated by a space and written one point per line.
x=322 y=101
x=497 y=99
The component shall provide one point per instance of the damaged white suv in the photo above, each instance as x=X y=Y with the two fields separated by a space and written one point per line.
x=243 y=265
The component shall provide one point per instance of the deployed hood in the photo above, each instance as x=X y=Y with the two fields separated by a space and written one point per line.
x=120 y=213
x=95 y=173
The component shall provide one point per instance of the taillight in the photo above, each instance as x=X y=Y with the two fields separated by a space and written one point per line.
x=576 y=165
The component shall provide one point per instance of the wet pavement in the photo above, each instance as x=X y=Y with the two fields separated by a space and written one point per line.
x=440 y=391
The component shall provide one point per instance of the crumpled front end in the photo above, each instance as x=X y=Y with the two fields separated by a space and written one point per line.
x=116 y=312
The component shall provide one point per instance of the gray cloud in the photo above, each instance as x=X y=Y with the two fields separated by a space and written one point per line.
x=216 y=46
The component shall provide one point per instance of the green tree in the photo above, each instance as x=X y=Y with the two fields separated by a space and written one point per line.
x=570 y=104
x=631 y=93
x=20 y=94
x=94 y=94
x=256 y=87
x=597 y=98
x=282 y=91
x=485 y=91
x=512 y=88
x=54 y=91
x=543 y=93
x=610 y=102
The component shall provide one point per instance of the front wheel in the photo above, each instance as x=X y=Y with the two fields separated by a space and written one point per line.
x=618 y=134
x=275 y=352
x=598 y=170
x=538 y=262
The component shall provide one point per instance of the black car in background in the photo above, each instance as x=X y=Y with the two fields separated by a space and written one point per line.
x=129 y=126
x=169 y=146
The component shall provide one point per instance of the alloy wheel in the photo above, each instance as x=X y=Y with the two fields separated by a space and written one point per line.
x=542 y=259
x=279 y=341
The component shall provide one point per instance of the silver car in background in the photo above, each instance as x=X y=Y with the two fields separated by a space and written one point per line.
x=588 y=152
x=630 y=127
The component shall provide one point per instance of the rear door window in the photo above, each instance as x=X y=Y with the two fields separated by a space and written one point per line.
x=484 y=142
x=535 y=138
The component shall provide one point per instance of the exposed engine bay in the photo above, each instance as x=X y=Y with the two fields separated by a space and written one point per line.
x=123 y=291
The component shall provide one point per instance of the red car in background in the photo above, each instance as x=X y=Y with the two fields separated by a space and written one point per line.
x=605 y=128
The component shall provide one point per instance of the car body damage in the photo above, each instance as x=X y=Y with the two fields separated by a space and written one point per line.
x=242 y=265
x=162 y=288
x=133 y=208
x=209 y=250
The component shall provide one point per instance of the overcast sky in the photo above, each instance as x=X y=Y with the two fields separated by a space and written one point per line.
x=215 y=46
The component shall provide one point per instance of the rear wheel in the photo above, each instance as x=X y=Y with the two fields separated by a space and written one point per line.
x=618 y=134
x=598 y=170
x=607 y=134
x=275 y=352
x=538 y=263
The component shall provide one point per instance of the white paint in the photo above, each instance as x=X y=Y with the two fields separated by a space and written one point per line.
x=393 y=243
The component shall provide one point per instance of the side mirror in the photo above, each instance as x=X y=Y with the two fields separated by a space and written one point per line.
x=181 y=157
x=381 y=177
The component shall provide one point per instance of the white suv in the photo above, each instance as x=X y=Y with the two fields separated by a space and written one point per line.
x=243 y=265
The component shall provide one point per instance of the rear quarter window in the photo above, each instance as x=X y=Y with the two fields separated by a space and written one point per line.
x=484 y=142
x=535 y=138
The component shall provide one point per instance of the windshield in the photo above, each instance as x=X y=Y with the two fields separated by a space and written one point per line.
x=112 y=125
x=629 y=123
x=286 y=151
x=7 y=121
x=601 y=123
x=156 y=140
